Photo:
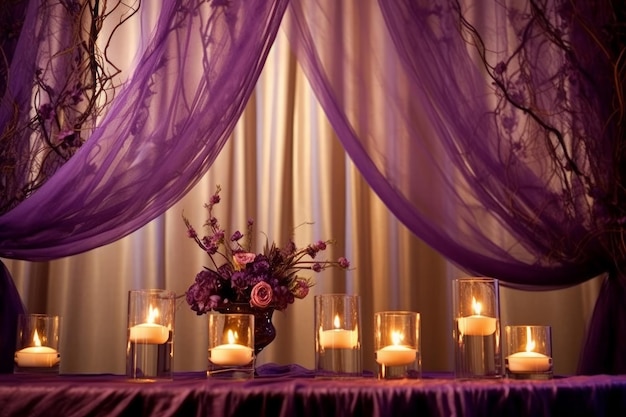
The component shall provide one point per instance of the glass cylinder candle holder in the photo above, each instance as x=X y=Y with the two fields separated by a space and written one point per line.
x=397 y=344
x=476 y=328
x=38 y=341
x=528 y=352
x=338 y=335
x=231 y=346
x=150 y=334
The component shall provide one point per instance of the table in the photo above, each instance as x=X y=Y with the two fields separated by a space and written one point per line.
x=290 y=390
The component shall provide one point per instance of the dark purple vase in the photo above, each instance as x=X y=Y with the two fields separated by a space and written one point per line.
x=264 y=330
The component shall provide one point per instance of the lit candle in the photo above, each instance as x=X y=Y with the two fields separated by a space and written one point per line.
x=37 y=356
x=477 y=325
x=338 y=338
x=396 y=354
x=150 y=332
x=529 y=361
x=231 y=353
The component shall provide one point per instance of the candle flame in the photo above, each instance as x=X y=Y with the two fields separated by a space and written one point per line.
x=396 y=338
x=36 y=339
x=153 y=313
x=530 y=343
x=476 y=306
x=232 y=337
x=337 y=322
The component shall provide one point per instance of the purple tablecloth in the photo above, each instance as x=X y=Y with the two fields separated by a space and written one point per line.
x=293 y=391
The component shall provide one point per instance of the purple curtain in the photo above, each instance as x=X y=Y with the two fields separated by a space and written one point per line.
x=510 y=169
x=161 y=133
x=521 y=183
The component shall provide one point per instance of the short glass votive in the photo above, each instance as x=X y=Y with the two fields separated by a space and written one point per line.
x=476 y=328
x=150 y=335
x=528 y=352
x=338 y=335
x=397 y=344
x=231 y=346
x=38 y=341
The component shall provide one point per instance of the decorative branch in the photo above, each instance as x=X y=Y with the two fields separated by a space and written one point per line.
x=70 y=90
x=587 y=81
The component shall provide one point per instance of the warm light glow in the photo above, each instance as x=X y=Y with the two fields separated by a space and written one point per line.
x=477 y=324
x=476 y=306
x=530 y=343
x=36 y=339
x=337 y=322
x=232 y=337
x=396 y=354
x=231 y=353
x=153 y=313
x=396 y=338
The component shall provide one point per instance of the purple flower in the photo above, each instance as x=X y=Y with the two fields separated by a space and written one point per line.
x=236 y=236
x=218 y=236
x=210 y=246
x=290 y=248
x=76 y=95
x=301 y=289
x=500 y=68
x=239 y=281
x=261 y=265
x=282 y=297
x=46 y=111
x=261 y=295
x=226 y=271
x=317 y=267
x=343 y=262
x=203 y=294
x=311 y=250
x=509 y=123
x=191 y=232
x=321 y=245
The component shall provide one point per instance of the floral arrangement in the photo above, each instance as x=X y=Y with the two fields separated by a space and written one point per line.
x=265 y=280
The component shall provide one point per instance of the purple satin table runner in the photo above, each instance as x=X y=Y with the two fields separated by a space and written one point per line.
x=290 y=390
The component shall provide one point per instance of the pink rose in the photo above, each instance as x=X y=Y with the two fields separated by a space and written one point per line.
x=261 y=295
x=241 y=259
x=301 y=288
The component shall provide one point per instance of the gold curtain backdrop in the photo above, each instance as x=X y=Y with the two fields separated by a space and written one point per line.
x=283 y=167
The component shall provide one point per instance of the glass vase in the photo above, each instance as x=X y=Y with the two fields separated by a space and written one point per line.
x=264 y=330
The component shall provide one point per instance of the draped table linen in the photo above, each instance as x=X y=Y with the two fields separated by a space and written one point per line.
x=290 y=390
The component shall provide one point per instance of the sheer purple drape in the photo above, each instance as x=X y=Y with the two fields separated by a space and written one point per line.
x=158 y=137
x=518 y=187
x=469 y=171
